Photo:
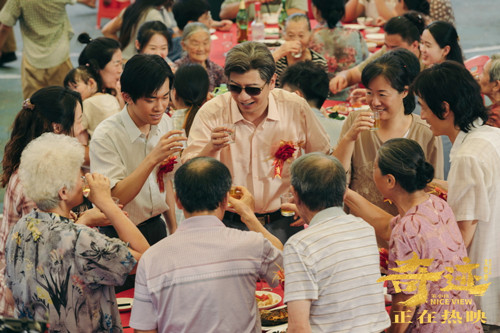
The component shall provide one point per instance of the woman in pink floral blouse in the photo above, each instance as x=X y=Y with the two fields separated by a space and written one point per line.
x=424 y=233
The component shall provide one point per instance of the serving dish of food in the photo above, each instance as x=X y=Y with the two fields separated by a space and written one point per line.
x=267 y=299
x=274 y=319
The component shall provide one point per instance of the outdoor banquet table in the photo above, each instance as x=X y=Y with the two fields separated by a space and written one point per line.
x=217 y=48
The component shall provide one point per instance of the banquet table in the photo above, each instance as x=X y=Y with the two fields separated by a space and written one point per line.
x=125 y=316
x=218 y=50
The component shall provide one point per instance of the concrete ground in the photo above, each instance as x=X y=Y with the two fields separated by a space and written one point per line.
x=477 y=23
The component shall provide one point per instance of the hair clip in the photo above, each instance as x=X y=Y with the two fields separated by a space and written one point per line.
x=27 y=105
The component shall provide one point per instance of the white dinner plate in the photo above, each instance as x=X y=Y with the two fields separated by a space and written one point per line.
x=124 y=303
x=354 y=26
x=372 y=30
x=276 y=329
x=379 y=36
x=276 y=299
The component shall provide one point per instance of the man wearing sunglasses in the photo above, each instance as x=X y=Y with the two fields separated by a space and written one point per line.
x=268 y=123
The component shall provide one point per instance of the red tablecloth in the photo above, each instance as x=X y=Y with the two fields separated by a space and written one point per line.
x=217 y=49
x=125 y=316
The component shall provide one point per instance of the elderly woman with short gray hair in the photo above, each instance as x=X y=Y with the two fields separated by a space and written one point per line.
x=196 y=44
x=58 y=270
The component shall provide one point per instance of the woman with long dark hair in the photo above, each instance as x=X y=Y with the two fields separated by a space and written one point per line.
x=189 y=92
x=52 y=109
x=104 y=57
x=440 y=42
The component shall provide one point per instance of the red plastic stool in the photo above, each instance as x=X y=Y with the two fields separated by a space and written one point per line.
x=110 y=9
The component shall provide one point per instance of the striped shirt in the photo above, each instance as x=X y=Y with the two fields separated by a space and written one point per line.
x=335 y=264
x=282 y=65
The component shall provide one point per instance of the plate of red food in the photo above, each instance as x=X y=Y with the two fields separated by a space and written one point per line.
x=267 y=299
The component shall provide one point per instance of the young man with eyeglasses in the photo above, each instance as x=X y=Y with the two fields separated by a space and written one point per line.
x=129 y=146
x=268 y=123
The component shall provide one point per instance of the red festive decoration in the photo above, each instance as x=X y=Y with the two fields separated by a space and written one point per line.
x=280 y=276
x=384 y=257
x=164 y=168
x=284 y=152
x=443 y=194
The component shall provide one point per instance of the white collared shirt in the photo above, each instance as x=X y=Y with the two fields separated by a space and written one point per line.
x=474 y=194
x=116 y=150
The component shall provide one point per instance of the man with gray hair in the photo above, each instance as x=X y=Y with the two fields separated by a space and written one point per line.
x=331 y=267
x=257 y=131
x=489 y=80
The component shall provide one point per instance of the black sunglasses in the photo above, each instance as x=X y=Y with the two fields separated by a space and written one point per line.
x=251 y=91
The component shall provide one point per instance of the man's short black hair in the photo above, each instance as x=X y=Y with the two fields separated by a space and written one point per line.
x=144 y=74
x=189 y=10
x=310 y=78
x=202 y=184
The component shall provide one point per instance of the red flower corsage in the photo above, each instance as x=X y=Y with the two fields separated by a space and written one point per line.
x=443 y=194
x=384 y=257
x=284 y=152
x=165 y=167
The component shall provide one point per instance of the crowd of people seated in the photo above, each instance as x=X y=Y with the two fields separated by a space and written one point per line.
x=121 y=173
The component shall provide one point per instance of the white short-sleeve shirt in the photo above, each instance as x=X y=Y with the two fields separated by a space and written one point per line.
x=474 y=194
x=116 y=150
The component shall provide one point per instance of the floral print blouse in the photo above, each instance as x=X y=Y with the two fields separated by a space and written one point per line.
x=65 y=273
x=342 y=48
x=215 y=72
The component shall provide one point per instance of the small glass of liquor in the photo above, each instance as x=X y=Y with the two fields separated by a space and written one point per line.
x=285 y=199
x=376 y=117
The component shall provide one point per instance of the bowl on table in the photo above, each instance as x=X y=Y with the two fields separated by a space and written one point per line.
x=372 y=46
x=365 y=21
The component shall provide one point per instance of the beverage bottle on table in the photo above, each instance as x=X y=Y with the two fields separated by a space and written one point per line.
x=258 y=27
x=242 y=23
x=282 y=18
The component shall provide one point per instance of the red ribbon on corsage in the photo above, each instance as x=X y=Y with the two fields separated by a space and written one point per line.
x=165 y=167
x=284 y=152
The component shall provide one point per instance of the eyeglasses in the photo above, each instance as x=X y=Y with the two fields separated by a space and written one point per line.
x=252 y=91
